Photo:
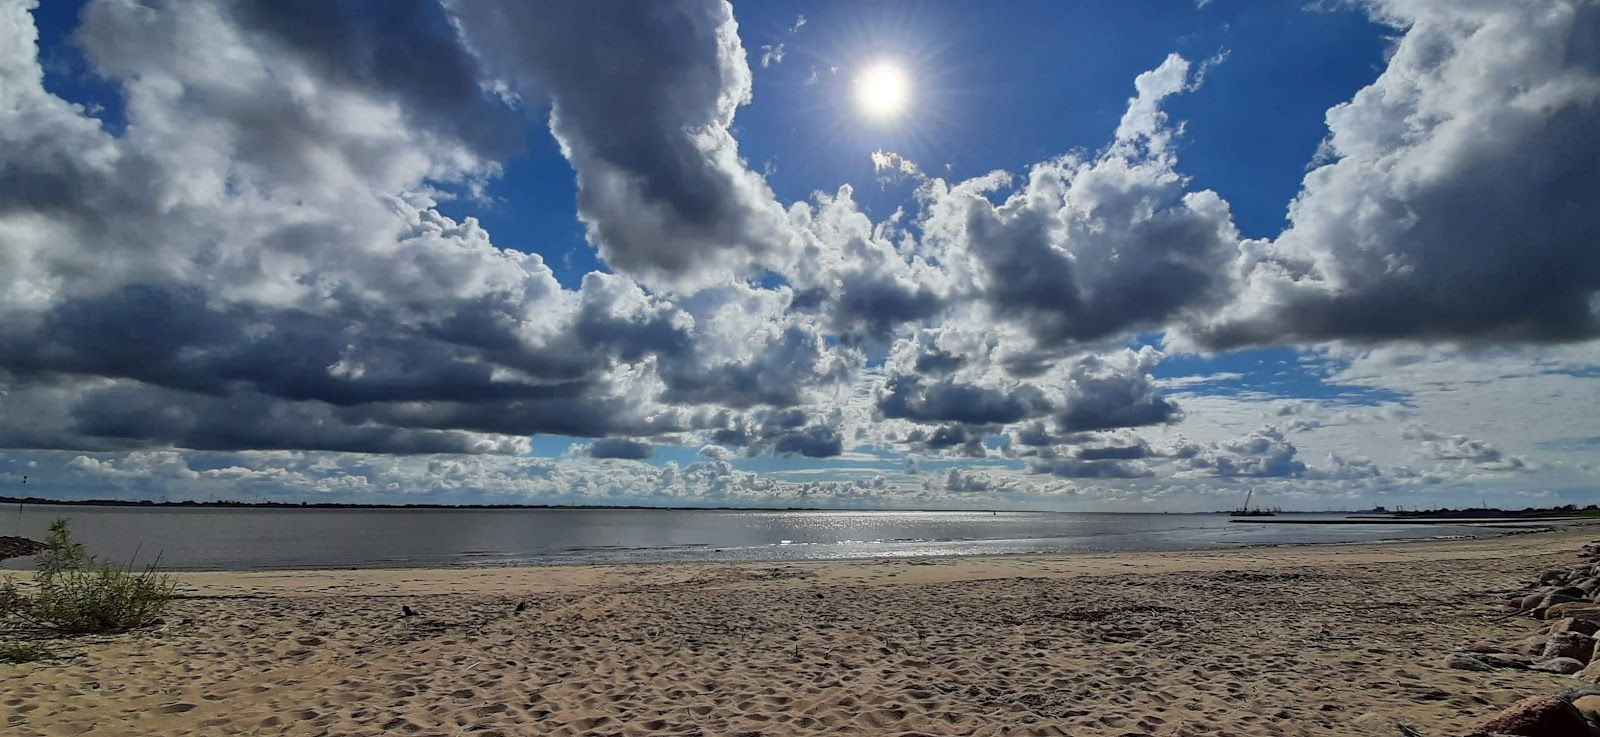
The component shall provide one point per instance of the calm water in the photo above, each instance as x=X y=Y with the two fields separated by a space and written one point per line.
x=242 y=539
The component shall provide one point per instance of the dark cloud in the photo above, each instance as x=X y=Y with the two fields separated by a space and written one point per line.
x=1395 y=238
x=1114 y=452
x=1116 y=392
x=407 y=50
x=642 y=95
x=620 y=448
x=1090 y=469
x=775 y=376
x=1261 y=454
x=967 y=441
x=786 y=432
x=909 y=398
x=138 y=416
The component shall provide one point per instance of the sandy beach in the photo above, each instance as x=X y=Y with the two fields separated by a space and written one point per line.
x=1265 y=641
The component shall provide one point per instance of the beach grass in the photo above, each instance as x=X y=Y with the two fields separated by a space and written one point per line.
x=16 y=653
x=75 y=593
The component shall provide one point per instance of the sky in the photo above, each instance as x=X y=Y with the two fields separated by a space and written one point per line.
x=1087 y=256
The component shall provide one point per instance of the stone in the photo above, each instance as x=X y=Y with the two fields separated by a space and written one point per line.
x=1462 y=661
x=1589 y=704
x=1563 y=666
x=1531 y=645
x=1590 y=673
x=1487 y=647
x=1540 y=716
x=1575 y=645
x=1573 y=591
x=1588 y=585
x=1569 y=624
x=1576 y=610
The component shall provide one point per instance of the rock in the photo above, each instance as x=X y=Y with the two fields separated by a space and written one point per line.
x=1486 y=647
x=1563 y=666
x=1507 y=660
x=1589 y=585
x=1575 y=645
x=1531 y=645
x=1589 y=704
x=12 y=546
x=309 y=640
x=405 y=611
x=1462 y=661
x=1540 y=716
x=1590 y=673
x=1553 y=575
x=1572 y=591
x=1556 y=597
x=1569 y=624
x=1576 y=610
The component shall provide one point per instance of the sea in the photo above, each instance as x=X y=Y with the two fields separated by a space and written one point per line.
x=242 y=538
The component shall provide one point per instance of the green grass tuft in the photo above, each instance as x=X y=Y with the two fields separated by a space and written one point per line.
x=73 y=593
x=15 y=653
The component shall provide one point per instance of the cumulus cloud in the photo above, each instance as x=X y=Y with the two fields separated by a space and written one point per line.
x=1091 y=248
x=1478 y=453
x=620 y=448
x=1391 y=239
x=1264 y=453
x=255 y=260
x=642 y=99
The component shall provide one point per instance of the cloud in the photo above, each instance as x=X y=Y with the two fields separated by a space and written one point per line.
x=253 y=266
x=1390 y=239
x=909 y=398
x=1263 y=453
x=771 y=54
x=1091 y=469
x=1112 y=392
x=1091 y=248
x=1478 y=453
x=642 y=99
x=620 y=448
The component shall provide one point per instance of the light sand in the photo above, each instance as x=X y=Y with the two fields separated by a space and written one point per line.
x=1262 y=641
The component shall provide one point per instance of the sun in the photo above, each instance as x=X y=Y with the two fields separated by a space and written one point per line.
x=882 y=90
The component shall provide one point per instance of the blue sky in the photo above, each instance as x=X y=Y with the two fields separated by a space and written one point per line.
x=1133 y=255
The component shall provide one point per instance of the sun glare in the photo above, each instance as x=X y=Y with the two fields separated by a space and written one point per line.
x=882 y=90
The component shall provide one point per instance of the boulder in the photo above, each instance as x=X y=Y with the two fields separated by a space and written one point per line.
x=1588 y=585
x=1576 y=610
x=1540 y=716
x=1590 y=673
x=1589 y=704
x=1575 y=645
x=1569 y=624
x=1562 y=666
x=1530 y=646
x=1463 y=661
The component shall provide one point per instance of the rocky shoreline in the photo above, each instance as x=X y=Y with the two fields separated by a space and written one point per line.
x=1567 y=601
x=12 y=546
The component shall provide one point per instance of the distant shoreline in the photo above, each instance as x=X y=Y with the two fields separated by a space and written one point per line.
x=1358 y=514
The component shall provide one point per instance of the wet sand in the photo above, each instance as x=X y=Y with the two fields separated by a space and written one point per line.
x=1266 y=641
